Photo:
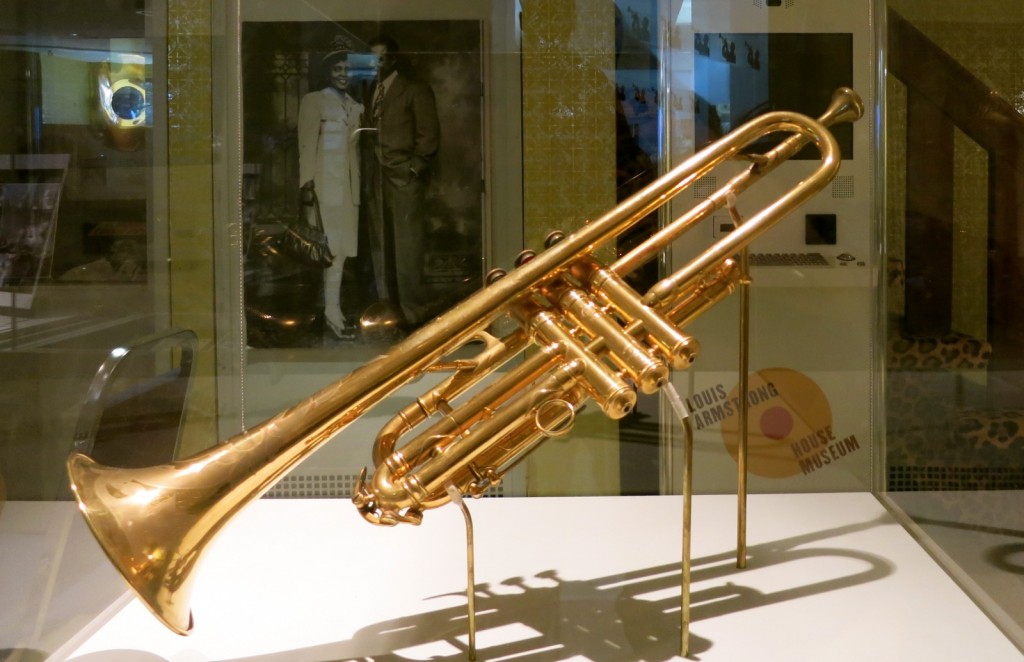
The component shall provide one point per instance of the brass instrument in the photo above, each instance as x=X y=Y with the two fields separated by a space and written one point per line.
x=595 y=339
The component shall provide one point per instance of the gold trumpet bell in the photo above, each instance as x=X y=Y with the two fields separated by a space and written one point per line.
x=123 y=509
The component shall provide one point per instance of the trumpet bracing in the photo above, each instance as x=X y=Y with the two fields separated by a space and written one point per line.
x=595 y=339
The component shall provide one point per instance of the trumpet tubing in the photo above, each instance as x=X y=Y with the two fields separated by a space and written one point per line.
x=593 y=338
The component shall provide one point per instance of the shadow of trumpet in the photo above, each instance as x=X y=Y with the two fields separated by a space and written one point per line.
x=630 y=615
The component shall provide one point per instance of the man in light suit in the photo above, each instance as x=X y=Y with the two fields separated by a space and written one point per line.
x=404 y=138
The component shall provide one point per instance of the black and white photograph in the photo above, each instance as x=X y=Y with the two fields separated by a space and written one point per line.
x=27 y=220
x=362 y=177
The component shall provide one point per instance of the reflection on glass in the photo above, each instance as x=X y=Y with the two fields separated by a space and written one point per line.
x=128 y=101
x=740 y=76
x=76 y=197
x=955 y=335
x=123 y=99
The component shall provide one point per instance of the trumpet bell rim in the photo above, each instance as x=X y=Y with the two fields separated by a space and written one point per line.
x=144 y=572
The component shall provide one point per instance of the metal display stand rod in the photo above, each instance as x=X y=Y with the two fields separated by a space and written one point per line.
x=684 y=605
x=744 y=387
x=456 y=497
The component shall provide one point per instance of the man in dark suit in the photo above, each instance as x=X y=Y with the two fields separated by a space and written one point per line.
x=405 y=137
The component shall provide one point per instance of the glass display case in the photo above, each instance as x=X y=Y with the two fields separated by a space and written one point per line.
x=159 y=157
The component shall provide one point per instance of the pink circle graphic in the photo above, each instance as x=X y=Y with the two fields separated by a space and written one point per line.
x=776 y=423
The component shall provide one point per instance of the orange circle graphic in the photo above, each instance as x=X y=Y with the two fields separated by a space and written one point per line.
x=786 y=415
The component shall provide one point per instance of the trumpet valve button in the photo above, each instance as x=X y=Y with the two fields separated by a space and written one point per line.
x=685 y=353
x=553 y=238
x=524 y=257
x=653 y=377
x=620 y=404
x=494 y=275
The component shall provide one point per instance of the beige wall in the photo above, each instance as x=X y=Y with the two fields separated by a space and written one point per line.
x=568 y=113
x=190 y=204
x=568 y=177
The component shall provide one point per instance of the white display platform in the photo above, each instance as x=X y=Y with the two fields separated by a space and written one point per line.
x=830 y=577
x=979 y=534
x=54 y=580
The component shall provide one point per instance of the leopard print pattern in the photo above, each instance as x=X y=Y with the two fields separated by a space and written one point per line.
x=932 y=443
x=954 y=351
x=924 y=421
x=991 y=429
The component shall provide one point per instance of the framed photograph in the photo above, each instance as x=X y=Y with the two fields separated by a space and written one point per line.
x=373 y=132
x=30 y=192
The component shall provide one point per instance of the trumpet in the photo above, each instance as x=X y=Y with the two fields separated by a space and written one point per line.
x=592 y=336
